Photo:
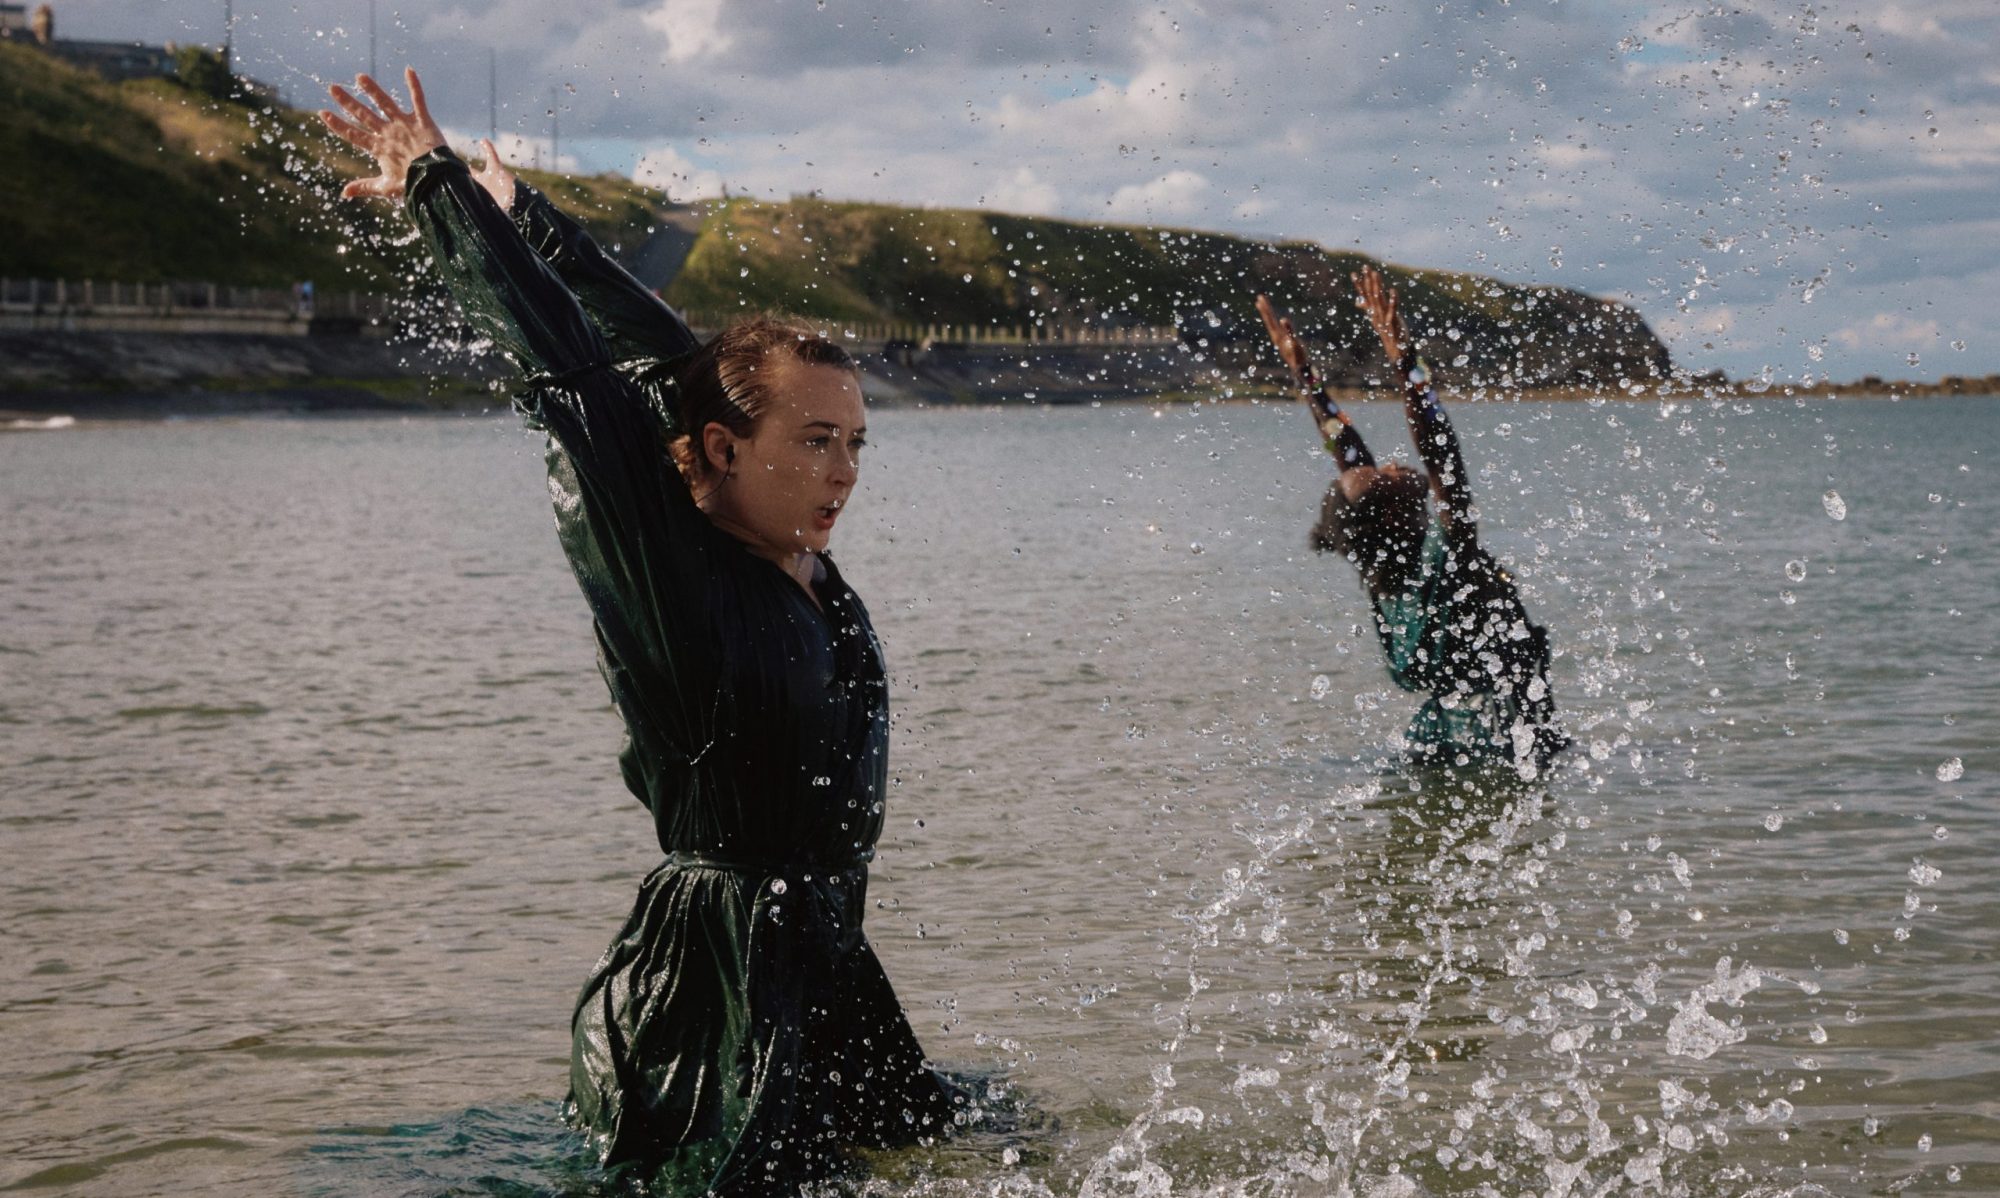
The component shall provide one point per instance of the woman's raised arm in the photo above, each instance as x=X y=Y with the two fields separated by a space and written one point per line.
x=1430 y=428
x=1343 y=440
x=641 y=549
x=637 y=325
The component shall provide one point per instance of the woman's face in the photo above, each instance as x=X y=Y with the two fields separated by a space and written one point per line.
x=790 y=480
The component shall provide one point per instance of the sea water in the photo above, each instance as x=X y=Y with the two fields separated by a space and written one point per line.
x=312 y=824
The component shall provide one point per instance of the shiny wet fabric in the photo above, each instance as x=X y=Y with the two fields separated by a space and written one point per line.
x=1461 y=635
x=739 y=1032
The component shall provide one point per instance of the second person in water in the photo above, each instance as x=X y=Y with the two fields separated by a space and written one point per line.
x=1449 y=616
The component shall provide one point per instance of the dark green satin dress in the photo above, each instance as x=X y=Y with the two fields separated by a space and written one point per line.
x=739 y=1032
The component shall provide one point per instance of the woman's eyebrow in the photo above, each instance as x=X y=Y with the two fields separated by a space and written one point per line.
x=829 y=425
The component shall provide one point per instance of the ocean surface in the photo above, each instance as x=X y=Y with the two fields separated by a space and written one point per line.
x=310 y=825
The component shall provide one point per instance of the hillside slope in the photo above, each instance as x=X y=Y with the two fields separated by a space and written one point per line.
x=875 y=262
x=147 y=181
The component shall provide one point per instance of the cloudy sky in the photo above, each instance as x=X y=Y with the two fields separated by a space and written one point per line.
x=1807 y=188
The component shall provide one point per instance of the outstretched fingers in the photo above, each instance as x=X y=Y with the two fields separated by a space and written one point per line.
x=349 y=132
x=1270 y=315
x=363 y=115
x=378 y=187
x=418 y=104
x=381 y=96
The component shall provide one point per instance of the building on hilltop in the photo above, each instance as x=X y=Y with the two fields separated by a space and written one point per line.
x=113 y=61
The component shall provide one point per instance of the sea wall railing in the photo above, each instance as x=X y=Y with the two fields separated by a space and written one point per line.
x=84 y=304
x=99 y=297
x=1040 y=332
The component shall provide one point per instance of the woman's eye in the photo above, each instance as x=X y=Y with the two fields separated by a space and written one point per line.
x=819 y=442
x=857 y=445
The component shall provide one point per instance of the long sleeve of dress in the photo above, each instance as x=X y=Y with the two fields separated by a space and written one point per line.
x=1437 y=446
x=641 y=550
x=1342 y=439
x=636 y=324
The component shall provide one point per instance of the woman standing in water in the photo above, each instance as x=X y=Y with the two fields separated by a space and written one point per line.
x=1449 y=616
x=739 y=1031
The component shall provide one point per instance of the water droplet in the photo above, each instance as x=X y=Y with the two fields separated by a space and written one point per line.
x=1796 y=569
x=1940 y=832
x=1321 y=684
x=777 y=886
x=968 y=278
x=1773 y=822
x=1924 y=1142
x=1951 y=769
x=1836 y=507
x=1787 y=598
x=1924 y=874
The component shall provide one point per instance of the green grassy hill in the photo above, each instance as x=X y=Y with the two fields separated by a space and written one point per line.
x=149 y=181
x=876 y=262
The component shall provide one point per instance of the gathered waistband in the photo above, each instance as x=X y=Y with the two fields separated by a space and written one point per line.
x=766 y=868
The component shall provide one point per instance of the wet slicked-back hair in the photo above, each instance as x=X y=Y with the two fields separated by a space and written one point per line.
x=728 y=381
x=1367 y=531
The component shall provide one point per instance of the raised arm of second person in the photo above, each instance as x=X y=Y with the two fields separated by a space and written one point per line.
x=642 y=551
x=637 y=325
x=1342 y=439
x=1431 y=430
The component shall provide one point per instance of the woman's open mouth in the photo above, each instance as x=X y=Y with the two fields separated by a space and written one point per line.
x=823 y=517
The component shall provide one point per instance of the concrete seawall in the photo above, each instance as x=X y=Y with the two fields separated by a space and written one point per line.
x=135 y=370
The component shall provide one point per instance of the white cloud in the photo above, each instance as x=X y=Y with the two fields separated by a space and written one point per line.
x=1175 y=195
x=1889 y=331
x=515 y=149
x=680 y=177
x=693 y=28
x=1023 y=190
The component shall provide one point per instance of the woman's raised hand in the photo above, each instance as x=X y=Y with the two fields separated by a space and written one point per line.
x=392 y=137
x=494 y=176
x=1286 y=338
x=1378 y=299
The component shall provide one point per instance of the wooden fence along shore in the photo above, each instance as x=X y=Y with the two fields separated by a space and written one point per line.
x=92 y=305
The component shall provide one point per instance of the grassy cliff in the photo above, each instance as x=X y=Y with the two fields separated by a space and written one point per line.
x=148 y=181
x=875 y=262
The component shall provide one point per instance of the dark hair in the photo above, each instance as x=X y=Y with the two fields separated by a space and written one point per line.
x=725 y=381
x=1365 y=530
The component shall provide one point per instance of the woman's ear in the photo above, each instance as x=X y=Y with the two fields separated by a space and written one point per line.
x=718 y=446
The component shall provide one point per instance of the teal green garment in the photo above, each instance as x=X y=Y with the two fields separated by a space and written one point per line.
x=739 y=1032
x=1461 y=636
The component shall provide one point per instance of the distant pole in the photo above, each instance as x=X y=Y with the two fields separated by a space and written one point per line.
x=371 y=39
x=228 y=34
x=555 y=133
x=492 y=95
